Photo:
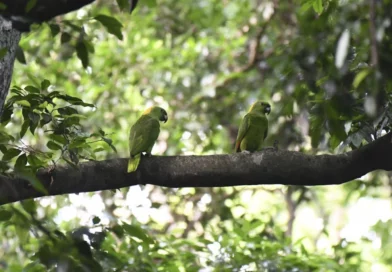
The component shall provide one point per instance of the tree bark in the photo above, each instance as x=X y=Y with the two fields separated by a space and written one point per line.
x=43 y=10
x=9 y=39
x=266 y=167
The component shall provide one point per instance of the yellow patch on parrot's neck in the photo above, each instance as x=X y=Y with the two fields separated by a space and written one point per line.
x=253 y=105
x=147 y=111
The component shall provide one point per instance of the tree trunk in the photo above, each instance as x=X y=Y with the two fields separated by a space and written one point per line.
x=9 y=39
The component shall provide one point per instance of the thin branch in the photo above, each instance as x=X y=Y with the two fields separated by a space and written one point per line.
x=253 y=51
x=254 y=55
x=291 y=209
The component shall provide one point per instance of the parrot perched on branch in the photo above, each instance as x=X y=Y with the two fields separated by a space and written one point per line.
x=143 y=135
x=254 y=128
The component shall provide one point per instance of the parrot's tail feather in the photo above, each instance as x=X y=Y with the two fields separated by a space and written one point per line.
x=133 y=163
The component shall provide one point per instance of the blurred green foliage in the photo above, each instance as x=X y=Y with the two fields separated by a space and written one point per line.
x=83 y=79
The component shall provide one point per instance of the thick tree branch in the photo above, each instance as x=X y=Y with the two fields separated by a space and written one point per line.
x=9 y=40
x=267 y=167
x=43 y=10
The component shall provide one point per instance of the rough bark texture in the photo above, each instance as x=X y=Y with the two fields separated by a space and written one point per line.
x=9 y=38
x=266 y=167
x=42 y=11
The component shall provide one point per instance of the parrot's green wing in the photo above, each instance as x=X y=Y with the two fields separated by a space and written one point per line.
x=142 y=138
x=143 y=135
x=244 y=127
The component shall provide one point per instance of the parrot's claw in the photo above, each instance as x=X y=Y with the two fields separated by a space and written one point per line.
x=245 y=152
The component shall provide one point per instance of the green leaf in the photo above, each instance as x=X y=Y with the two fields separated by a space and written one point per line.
x=136 y=231
x=34 y=267
x=75 y=101
x=45 y=118
x=36 y=183
x=307 y=4
x=316 y=125
x=24 y=128
x=58 y=138
x=109 y=142
x=96 y=220
x=65 y=37
x=29 y=205
x=123 y=4
x=336 y=126
x=4 y=138
x=99 y=149
x=21 y=161
x=318 y=6
x=34 y=79
x=118 y=230
x=111 y=24
x=77 y=143
x=34 y=160
x=89 y=46
x=3 y=6
x=334 y=141
x=82 y=53
x=19 y=54
x=7 y=113
x=73 y=26
x=151 y=3
x=360 y=77
x=5 y=215
x=67 y=111
x=11 y=153
x=34 y=120
x=78 y=116
x=53 y=146
x=3 y=52
x=54 y=29
x=31 y=4
x=45 y=84
x=32 y=89
x=23 y=103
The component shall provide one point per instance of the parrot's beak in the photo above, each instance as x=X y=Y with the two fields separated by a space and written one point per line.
x=267 y=109
x=165 y=118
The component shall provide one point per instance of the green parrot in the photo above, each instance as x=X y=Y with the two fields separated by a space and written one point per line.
x=254 y=128
x=143 y=135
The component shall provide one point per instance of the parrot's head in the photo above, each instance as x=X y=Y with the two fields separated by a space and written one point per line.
x=156 y=112
x=261 y=106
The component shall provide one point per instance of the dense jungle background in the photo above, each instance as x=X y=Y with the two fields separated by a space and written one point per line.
x=83 y=79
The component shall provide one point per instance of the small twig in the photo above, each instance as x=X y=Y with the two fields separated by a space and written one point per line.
x=36 y=222
x=291 y=208
x=322 y=212
x=254 y=55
